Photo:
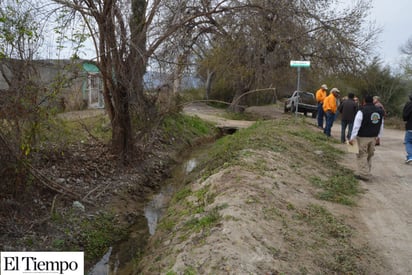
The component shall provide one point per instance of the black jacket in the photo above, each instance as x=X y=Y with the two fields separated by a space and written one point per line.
x=407 y=115
x=371 y=122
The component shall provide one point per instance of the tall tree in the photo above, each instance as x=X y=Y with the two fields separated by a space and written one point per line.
x=265 y=35
x=406 y=49
x=335 y=39
x=21 y=94
x=127 y=34
x=20 y=39
x=378 y=80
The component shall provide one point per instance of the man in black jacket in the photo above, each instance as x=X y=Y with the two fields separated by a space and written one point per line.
x=347 y=109
x=367 y=127
x=407 y=117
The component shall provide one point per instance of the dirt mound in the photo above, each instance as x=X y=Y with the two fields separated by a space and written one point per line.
x=261 y=216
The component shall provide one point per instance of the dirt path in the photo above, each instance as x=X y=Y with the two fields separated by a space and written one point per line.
x=385 y=208
x=215 y=116
x=384 y=213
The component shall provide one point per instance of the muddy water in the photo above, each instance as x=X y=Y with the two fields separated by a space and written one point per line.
x=119 y=258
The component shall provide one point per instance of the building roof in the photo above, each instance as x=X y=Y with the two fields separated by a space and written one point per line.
x=90 y=68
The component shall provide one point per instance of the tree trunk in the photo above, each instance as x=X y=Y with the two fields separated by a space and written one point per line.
x=121 y=125
x=210 y=75
x=234 y=105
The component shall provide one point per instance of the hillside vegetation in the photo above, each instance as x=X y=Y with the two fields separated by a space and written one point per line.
x=270 y=199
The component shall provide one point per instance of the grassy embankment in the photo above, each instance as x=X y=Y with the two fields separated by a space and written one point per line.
x=305 y=158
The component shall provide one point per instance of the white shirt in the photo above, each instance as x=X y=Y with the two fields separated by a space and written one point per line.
x=357 y=124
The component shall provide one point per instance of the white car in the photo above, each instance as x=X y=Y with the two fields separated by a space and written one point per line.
x=305 y=101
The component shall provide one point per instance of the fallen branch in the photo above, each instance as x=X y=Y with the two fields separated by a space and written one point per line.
x=53 y=185
x=40 y=177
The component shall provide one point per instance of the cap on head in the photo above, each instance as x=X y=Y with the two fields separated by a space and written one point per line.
x=368 y=99
x=324 y=86
x=335 y=91
x=376 y=97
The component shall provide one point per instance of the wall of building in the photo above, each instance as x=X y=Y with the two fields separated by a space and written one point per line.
x=62 y=81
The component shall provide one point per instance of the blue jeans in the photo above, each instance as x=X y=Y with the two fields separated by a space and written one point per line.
x=349 y=125
x=321 y=114
x=408 y=144
x=330 y=118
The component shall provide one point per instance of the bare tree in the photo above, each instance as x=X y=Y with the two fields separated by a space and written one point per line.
x=126 y=35
x=20 y=39
x=406 y=64
x=266 y=36
x=20 y=111
x=407 y=47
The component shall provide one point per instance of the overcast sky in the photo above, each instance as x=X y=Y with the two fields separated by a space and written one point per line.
x=395 y=18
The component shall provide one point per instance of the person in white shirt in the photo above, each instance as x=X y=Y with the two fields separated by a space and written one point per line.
x=368 y=125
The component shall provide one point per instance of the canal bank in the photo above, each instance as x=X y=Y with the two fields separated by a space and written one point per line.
x=143 y=214
x=270 y=199
x=122 y=257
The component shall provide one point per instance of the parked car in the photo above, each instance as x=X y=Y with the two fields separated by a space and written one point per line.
x=305 y=101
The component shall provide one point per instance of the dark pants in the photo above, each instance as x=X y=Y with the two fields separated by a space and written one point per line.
x=349 y=125
x=330 y=118
x=321 y=114
x=408 y=144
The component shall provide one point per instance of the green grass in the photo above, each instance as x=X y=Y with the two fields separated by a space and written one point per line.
x=304 y=151
x=58 y=133
x=93 y=235
x=239 y=116
x=186 y=125
x=98 y=233
x=207 y=221
x=341 y=187
x=289 y=136
x=325 y=222
x=332 y=236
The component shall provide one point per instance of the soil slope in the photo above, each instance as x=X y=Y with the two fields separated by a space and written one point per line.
x=269 y=220
x=385 y=212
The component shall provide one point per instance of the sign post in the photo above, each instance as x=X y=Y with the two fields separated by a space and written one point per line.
x=299 y=64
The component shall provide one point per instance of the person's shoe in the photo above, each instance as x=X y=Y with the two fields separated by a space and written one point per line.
x=408 y=161
x=359 y=177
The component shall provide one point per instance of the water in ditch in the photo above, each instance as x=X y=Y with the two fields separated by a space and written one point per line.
x=119 y=259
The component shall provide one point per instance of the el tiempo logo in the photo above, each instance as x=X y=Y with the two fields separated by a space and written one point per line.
x=46 y=262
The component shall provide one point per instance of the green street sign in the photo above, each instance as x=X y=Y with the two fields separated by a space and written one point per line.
x=297 y=63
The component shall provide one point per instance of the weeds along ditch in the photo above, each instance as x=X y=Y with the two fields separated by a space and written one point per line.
x=296 y=140
x=288 y=147
x=206 y=157
x=122 y=257
x=73 y=151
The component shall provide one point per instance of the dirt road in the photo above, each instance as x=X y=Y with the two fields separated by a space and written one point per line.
x=215 y=116
x=385 y=208
x=384 y=212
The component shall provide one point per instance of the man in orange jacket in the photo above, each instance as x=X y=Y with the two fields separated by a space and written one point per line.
x=320 y=96
x=330 y=105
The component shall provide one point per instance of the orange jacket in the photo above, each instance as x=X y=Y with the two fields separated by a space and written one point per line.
x=320 y=95
x=329 y=104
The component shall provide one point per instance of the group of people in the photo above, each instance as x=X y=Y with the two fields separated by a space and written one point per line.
x=327 y=107
x=330 y=106
x=363 y=122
